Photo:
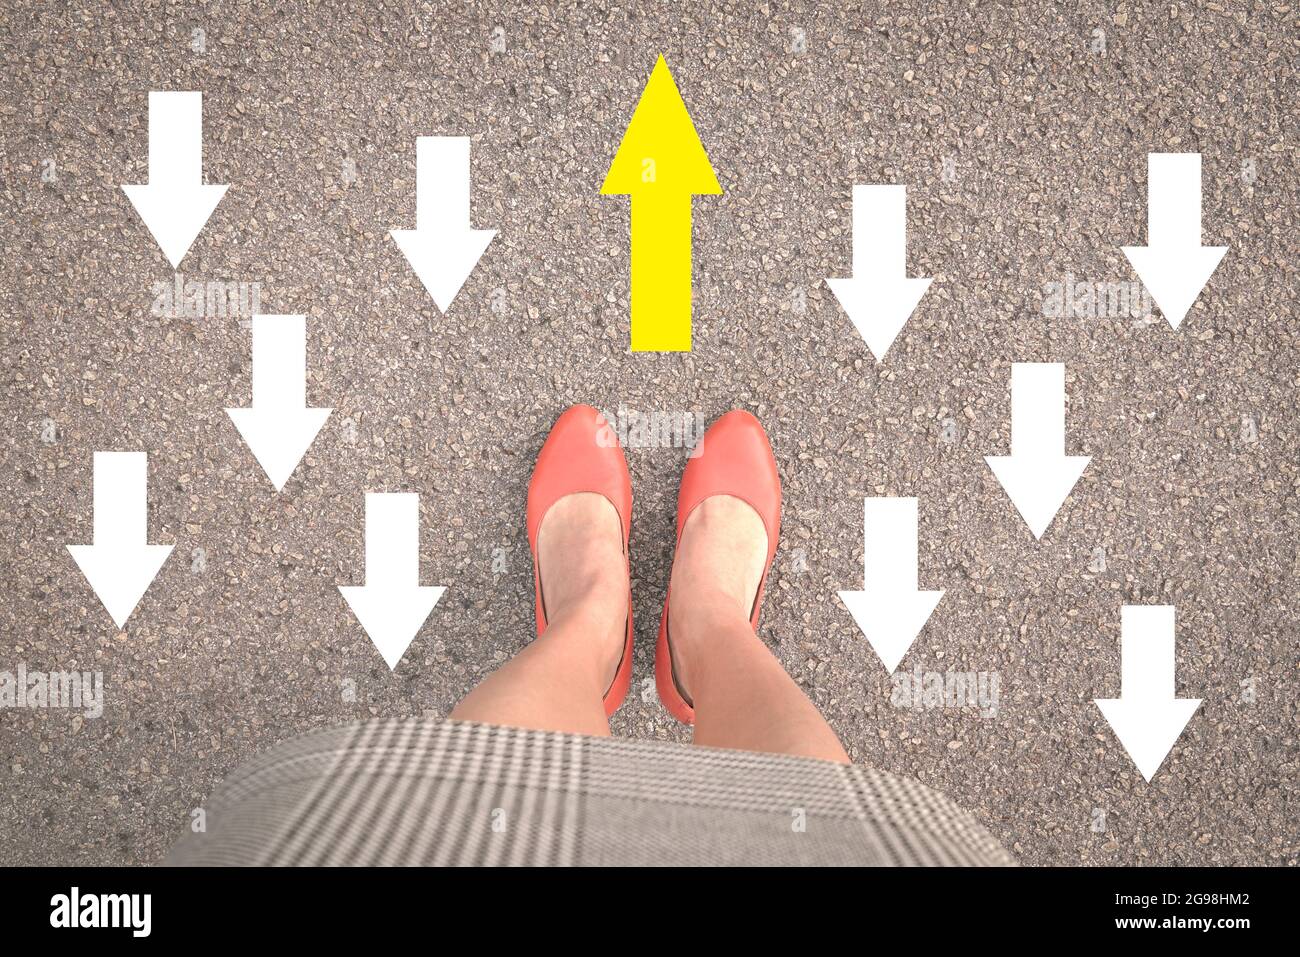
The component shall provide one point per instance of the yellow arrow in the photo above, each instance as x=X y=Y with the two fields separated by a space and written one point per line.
x=661 y=164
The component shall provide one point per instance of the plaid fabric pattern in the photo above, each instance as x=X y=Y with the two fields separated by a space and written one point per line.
x=426 y=792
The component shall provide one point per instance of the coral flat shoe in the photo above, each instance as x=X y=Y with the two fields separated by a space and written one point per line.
x=582 y=454
x=736 y=460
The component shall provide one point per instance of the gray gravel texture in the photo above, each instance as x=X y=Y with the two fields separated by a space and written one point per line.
x=1192 y=489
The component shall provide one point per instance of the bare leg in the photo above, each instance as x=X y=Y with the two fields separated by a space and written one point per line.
x=558 y=682
x=743 y=697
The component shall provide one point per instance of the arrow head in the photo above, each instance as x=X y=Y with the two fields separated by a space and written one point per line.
x=1147 y=729
x=443 y=259
x=392 y=617
x=660 y=150
x=1175 y=276
x=890 y=620
x=120 y=575
x=174 y=214
x=278 y=438
x=1038 y=485
x=879 y=308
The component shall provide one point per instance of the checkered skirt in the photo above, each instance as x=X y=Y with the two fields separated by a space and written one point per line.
x=421 y=791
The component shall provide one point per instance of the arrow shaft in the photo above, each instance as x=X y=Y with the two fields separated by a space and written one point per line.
x=441 y=181
x=393 y=539
x=1173 y=199
x=1038 y=408
x=121 y=497
x=279 y=362
x=1147 y=652
x=890 y=547
x=879 y=231
x=175 y=138
x=661 y=272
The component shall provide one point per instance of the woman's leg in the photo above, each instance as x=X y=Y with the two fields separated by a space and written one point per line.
x=743 y=698
x=558 y=682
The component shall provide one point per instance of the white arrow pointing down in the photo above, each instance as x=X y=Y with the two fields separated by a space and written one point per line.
x=120 y=565
x=1146 y=717
x=392 y=605
x=1038 y=475
x=889 y=610
x=442 y=249
x=175 y=205
x=1173 y=265
x=279 y=428
x=879 y=298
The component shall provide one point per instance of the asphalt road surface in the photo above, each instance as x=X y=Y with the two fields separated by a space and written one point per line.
x=1022 y=137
